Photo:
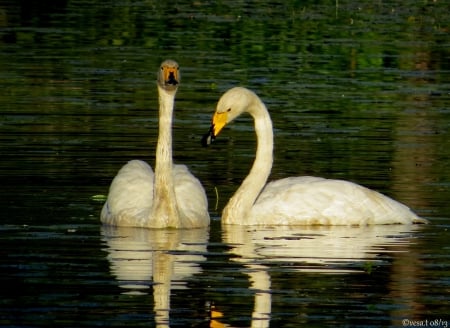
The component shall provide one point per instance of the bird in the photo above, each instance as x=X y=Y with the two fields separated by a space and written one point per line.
x=170 y=197
x=303 y=200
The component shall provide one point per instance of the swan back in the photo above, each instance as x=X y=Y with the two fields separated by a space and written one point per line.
x=130 y=196
x=319 y=201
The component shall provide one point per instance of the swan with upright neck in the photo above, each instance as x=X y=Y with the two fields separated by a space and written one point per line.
x=171 y=197
x=295 y=200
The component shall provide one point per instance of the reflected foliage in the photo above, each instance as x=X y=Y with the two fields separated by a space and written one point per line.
x=356 y=90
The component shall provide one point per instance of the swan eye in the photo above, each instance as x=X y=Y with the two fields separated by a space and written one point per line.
x=229 y=109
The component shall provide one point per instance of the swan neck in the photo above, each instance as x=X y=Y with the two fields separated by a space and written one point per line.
x=164 y=206
x=164 y=146
x=239 y=207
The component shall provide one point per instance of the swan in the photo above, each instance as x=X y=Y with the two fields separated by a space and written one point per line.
x=295 y=200
x=169 y=198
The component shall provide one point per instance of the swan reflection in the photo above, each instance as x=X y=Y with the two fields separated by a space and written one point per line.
x=321 y=249
x=162 y=259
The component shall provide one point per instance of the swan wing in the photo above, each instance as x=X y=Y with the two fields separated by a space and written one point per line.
x=130 y=197
x=191 y=198
x=312 y=200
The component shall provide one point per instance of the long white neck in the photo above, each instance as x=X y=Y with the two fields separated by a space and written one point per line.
x=164 y=211
x=239 y=206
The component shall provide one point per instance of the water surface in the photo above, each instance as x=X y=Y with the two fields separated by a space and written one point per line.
x=356 y=91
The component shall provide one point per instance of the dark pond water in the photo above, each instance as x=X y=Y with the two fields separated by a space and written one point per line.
x=357 y=91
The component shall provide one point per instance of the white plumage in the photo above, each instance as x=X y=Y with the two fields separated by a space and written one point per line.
x=296 y=200
x=169 y=197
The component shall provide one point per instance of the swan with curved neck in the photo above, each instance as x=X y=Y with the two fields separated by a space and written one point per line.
x=296 y=200
x=170 y=197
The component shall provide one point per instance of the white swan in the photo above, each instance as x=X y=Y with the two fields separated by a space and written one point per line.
x=296 y=200
x=172 y=196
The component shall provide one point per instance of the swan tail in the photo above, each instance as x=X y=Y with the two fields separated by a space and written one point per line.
x=419 y=220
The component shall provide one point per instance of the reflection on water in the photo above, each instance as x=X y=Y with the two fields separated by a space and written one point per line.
x=357 y=91
x=330 y=250
x=160 y=258
x=324 y=250
x=158 y=262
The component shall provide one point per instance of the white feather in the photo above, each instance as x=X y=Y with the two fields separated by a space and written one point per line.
x=170 y=197
x=296 y=200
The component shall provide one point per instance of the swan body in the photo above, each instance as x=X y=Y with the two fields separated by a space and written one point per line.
x=170 y=197
x=296 y=200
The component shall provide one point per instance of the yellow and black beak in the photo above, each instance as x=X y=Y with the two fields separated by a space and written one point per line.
x=170 y=75
x=219 y=120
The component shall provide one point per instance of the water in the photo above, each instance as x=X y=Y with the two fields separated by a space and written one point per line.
x=356 y=91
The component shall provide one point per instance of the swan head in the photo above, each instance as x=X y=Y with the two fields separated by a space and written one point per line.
x=169 y=75
x=233 y=103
